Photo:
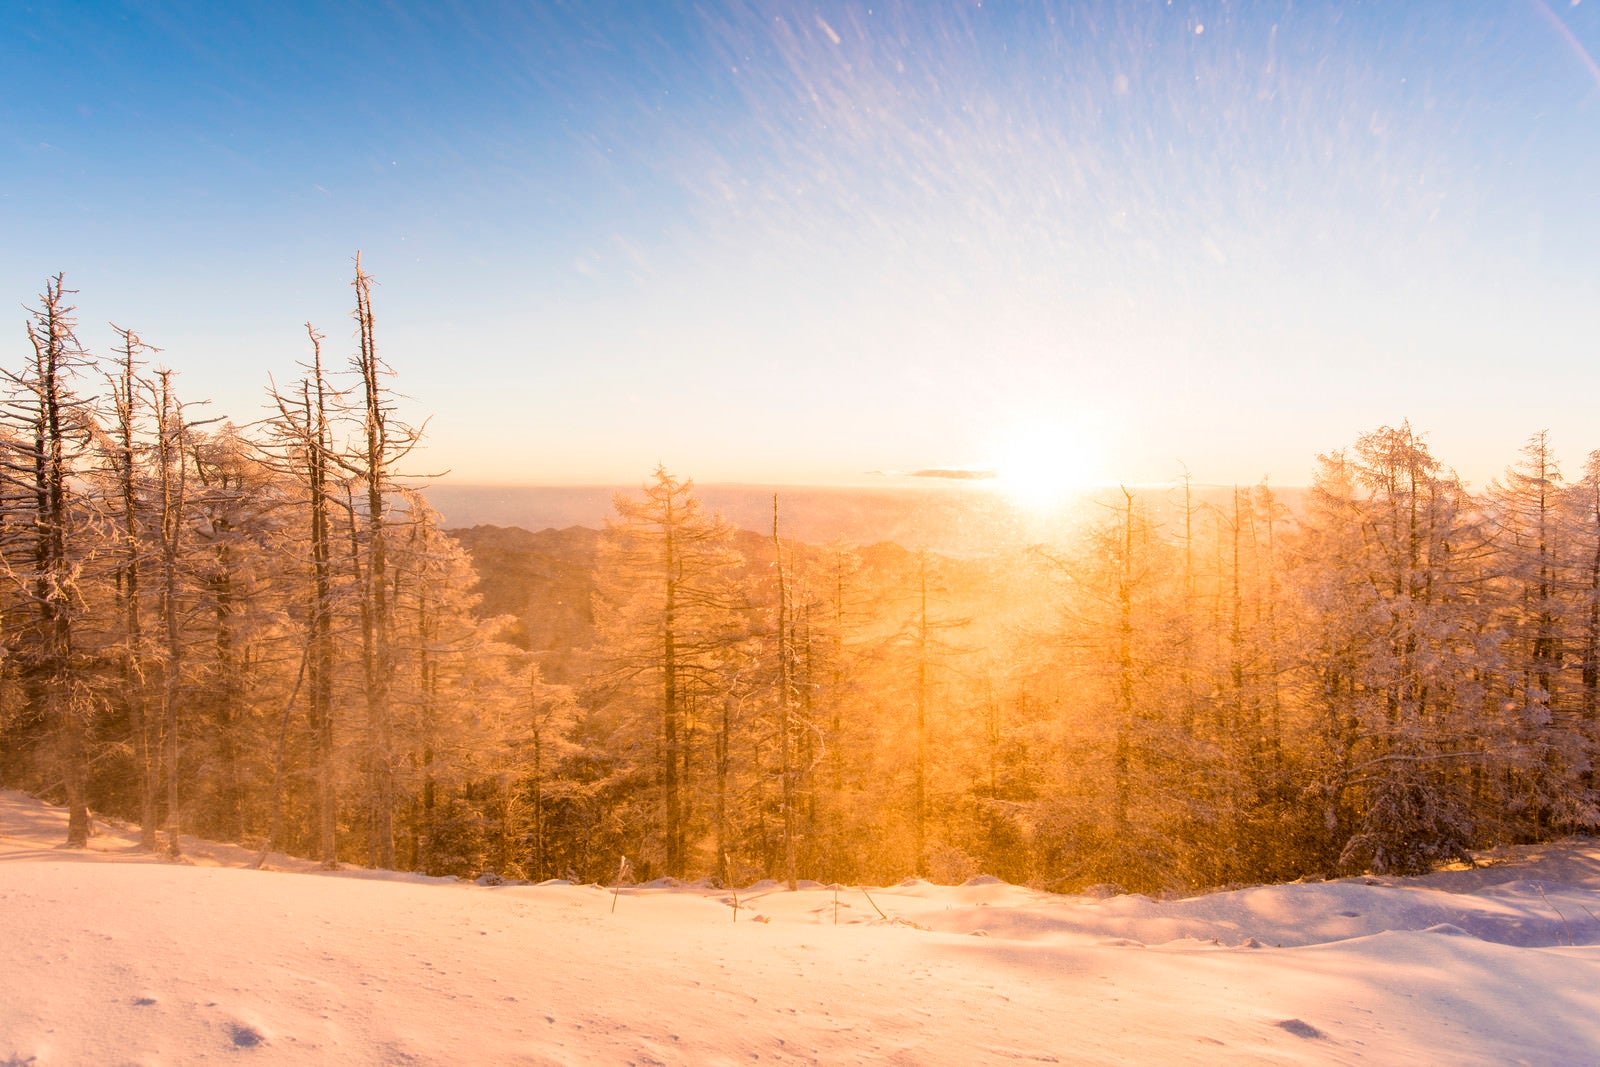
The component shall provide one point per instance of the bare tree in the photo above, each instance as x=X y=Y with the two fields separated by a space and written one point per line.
x=303 y=449
x=124 y=452
x=172 y=471
x=52 y=426
x=384 y=443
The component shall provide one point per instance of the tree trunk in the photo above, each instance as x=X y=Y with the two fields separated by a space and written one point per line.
x=376 y=623
x=785 y=687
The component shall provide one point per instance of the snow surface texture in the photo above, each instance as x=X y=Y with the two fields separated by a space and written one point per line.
x=112 y=956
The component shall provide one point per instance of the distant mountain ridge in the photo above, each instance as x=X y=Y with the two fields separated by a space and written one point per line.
x=963 y=519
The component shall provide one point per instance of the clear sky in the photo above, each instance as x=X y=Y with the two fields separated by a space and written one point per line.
x=798 y=242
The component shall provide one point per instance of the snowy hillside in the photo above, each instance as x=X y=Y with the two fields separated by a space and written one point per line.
x=114 y=957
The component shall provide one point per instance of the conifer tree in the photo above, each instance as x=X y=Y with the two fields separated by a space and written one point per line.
x=383 y=443
x=241 y=562
x=672 y=612
x=124 y=453
x=50 y=428
x=302 y=448
x=1535 y=579
x=1403 y=573
x=172 y=487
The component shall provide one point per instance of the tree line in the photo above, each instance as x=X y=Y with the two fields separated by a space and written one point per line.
x=1178 y=693
x=261 y=633
x=236 y=631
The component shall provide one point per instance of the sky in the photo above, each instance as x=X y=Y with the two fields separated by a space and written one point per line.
x=805 y=242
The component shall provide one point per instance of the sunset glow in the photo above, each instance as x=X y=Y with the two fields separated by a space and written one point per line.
x=1041 y=464
x=878 y=531
x=700 y=230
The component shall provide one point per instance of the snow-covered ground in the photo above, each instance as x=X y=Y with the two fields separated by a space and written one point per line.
x=110 y=957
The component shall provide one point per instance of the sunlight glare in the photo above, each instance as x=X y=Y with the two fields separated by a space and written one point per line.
x=1041 y=464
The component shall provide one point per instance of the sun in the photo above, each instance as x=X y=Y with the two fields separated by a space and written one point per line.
x=1042 y=464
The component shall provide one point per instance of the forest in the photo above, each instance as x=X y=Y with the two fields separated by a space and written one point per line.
x=261 y=633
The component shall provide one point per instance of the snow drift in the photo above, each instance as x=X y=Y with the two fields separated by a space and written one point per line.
x=114 y=956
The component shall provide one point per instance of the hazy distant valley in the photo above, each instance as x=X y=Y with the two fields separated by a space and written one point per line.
x=950 y=519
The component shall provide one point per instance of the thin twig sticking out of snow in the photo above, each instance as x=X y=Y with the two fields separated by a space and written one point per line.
x=1540 y=887
x=622 y=873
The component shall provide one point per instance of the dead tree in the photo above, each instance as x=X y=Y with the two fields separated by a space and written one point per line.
x=172 y=472
x=124 y=452
x=51 y=426
x=303 y=449
x=383 y=444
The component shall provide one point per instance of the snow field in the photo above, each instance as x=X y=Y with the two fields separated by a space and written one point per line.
x=115 y=957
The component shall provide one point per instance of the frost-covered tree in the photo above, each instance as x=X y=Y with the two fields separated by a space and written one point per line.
x=382 y=444
x=301 y=448
x=49 y=427
x=240 y=559
x=1538 y=590
x=1584 y=505
x=1402 y=650
x=124 y=464
x=670 y=612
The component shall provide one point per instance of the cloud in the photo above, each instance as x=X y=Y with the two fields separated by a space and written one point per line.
x=960 y=474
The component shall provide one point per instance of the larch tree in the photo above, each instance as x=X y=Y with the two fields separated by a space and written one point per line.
x=456 y=694
x=1528 y=531
x=51 y=427
x=1339 y=605
x=382 y=444
x=1117 y=663
x=786 y=651
x=172 y=485
x=834 y=621
x=1584 y=503
x=1419 y=725
x=125 y=456
x=544 y=741
x=302 y=448
x=241 y=562
x=173 y=521
x=918 y=660
x=673 y=613
x=1537 y=591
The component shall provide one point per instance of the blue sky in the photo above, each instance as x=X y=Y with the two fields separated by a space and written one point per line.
x=799 y=242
